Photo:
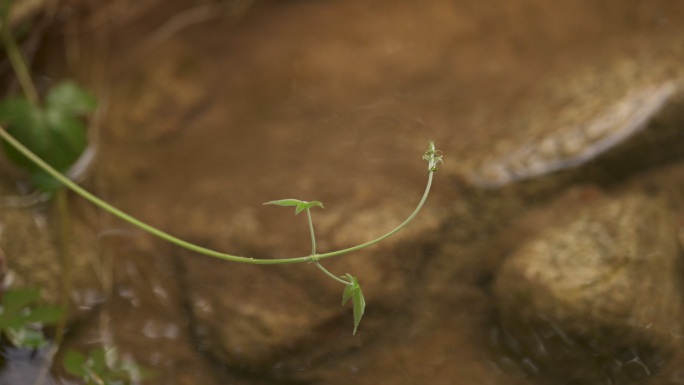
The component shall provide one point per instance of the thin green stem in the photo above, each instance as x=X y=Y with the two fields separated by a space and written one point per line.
x=311 y=231
x=187 y=245
x=331 y=275
x=16 y=58
x=313 y=252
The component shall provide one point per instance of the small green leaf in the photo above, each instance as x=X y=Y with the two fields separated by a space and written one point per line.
x=354 y=293
x=285 y=202
x=299 y=205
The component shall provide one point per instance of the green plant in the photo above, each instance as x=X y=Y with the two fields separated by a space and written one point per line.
x=352 y=288
x=22 y=318
x=48 y=139
x=53 y=128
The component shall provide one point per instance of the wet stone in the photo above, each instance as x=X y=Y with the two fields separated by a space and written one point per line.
x=248 y=317
x=581 y=132
x=596 y=296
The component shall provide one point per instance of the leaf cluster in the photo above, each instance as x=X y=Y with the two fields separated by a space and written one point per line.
x=22 y=319
x=54 y=131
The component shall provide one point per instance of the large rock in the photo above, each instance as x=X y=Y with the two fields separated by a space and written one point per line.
x=583 y=132
x=597 y=297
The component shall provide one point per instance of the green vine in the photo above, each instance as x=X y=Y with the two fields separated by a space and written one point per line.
x=352 y=288
x=433 y=157
x=48 y=138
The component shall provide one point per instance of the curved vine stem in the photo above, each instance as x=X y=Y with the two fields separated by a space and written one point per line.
x=432 y=156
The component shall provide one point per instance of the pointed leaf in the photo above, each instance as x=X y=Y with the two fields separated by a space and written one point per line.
x=354 y=293
x=285 y=202
x=347 y=293
x=299 y=205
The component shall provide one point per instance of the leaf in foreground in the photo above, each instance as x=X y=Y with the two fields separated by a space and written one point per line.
x=354 y=293
x=55 y=132
x=22 y=320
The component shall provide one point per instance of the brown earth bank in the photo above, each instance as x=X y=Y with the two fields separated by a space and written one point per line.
x=209 y=109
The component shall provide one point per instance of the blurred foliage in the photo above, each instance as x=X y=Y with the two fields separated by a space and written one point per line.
x=55 y=131
x=22 y=318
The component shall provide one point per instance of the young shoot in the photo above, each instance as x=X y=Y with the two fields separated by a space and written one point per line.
x=352 y=288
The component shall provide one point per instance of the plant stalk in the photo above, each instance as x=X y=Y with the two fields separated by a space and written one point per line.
x=331 y=275
x=187 y=245
x=311 y=231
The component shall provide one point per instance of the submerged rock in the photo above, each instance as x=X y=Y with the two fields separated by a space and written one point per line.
x=576 y=121
x=597 y=297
